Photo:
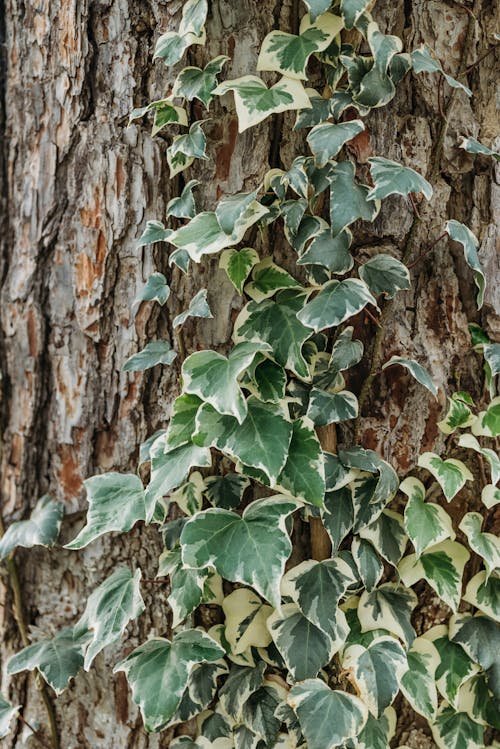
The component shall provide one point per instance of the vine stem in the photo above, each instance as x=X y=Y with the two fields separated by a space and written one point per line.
x=435 y=160
x=34 y=731
x=15 y=586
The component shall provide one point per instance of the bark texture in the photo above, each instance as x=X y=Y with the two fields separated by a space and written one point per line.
x=77 y=186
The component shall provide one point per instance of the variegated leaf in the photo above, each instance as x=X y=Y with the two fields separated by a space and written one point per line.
x=486 y=545
x=426 y=523
x=484 y=594
x=305 y=648
x=336 y=302
x=418 y=683
x=416 y=370
x=391 y=178
x=388 y=607
x=348 y=199
x=246 y=617
x=40 y=529
x=238 y=264
x=451 y=474
x=460 y=233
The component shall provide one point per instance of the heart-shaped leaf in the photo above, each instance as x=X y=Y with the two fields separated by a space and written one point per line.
x=40 y=529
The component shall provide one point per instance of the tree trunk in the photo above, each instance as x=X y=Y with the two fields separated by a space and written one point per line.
x=77 y=186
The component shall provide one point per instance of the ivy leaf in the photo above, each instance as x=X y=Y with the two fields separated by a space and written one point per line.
x=305 y=648
x=457 y=416
x=226 y=491
x=58 y=659
x=183 y=206
x=348 y=199
x=325 y=140
x=165 y=112
x=154 y=232
x=352 y=10
x=384 y=274
x=198 y=307
x=316 y=588
x=275 y=322
x=317 y=7
x=331 y=408
x=486 y=545
x=424 y=62
x=442 y=566
x=7 y=713
x=153 y=353
x=200 y=691
x=109 y=609
x=336 y=302
x=490 y=496
x=261 y=441
x=238 y=264
x=426 y=523
x=387 y=534
x=368 y=562
x=186 y=148
x=266 y=380
x=484 y=594
x=214 y=378
x=328 y=718
x=487 y=423
x=170 y=468
x=194 y=15
x=460 y=233
x=416 y=370
x=303 y=474
x=455 y=666
x=330 y=251
x=376 y=87
x=471 y=145
x=155 y=290
x=188 y=497
x=267 y=278
x=40 y=529
x=418 y=683
x=391 y=178
x=116 y=503
x=254 y=101
x=346 y=352
x=388 y=607
x=338 y=515
x=182 y=422
x=187 y=586
x=377 y=733
x=195 y=83
x=376 y=671
x=240 y=684
x=251 y=549
x=259 y=714
x=171 y=46
x=456 y=730
x=158 y=671
x=288 y=54
x=450 y=474
x=479 y=636
x=245 y=621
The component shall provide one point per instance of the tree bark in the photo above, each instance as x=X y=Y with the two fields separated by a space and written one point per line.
x=77 y=186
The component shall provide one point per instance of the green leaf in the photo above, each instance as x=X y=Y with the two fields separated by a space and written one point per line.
x=377 y=733
x=424 y=62
x=453 y=730
x=387 y=534
x=471 y=145
x=266 y=380
x=346 y=352
x=198 y=307
x=195 y=83
x=384 y=274
x=261 y=441
x=455 y=666
x=484 y=594
x=194 y=15
x=187 y=586
x=200 y=691
x=254 y=101
x=226 y=491
x=426 y=523
x=388 y=607
x=316 y=588
x=479 y=636
x=7 y=713
x=416 y=370
x=187 y=147
x=116 y=503
x=182 y=422
x=184 y=205
x=487 y=423
x=490 y=496
x=450 y=474
x=245 y=621
x=336 y=302
x=331 y=408
x=189 y=496
x=368 y=562
x=238 y=264
x=109 y=609
x=418 y=683
x=214 y=378
x=330 y=251
x=391 y=178
x=240 y=684
x=267 y=278
x=153 y=353
x=338 y=515
x=170 y=468
x=40 y=529
x=375 y=88
x=154 y=232
x=275 y=322
x=328 y=718
x=158 y=672
x=251 y=549
x=58 y=659
x=476 y=700
x=460 y=233
x=442 y=566
x=486 y=545
x=457 y=416
x=349 y=199
x=325 y=140
x=288 y=54
x=305 y=648
x=368 y=460
x=352 y=10
x=155 y=290
x=259 y=714
x=303 y=475
x=317 y=7
x=165 y=113
x=376 y=671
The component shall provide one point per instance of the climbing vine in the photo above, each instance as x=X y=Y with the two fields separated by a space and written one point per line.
x=308 y=653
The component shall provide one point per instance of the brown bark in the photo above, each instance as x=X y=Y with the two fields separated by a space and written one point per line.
x=76 y=189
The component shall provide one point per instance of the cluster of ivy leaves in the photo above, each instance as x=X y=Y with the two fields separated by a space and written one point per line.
x=311 y=655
